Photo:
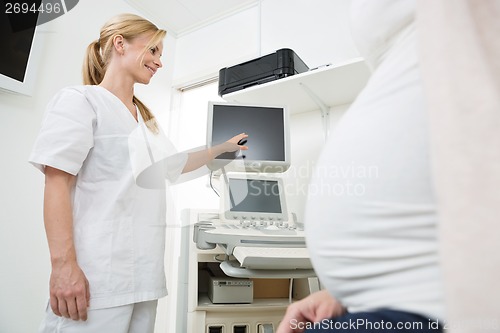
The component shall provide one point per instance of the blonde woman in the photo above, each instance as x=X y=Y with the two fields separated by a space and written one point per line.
x=106 y=233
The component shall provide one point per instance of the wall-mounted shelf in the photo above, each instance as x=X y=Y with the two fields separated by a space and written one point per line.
x=331 y=86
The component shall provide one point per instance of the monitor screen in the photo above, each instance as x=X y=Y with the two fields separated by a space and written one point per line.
x=14 y=57
x=267 y=140
x=21 y=52
x=253 y=197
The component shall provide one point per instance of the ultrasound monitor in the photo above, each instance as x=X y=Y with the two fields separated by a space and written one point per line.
x=253 y=197
x=268 y=136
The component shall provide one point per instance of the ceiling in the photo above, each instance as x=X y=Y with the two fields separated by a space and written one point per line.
x=182 y=16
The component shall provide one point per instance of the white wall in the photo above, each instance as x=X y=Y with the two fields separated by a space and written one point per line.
x=228 y=41
x=317 y=30
x=24 y=258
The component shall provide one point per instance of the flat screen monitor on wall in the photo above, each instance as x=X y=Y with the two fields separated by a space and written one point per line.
x=268 y=136
x=20 y=55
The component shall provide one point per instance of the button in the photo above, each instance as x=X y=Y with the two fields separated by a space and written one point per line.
x=265 y=328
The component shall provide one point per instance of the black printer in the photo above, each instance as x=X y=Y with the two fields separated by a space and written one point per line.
x=280 y=64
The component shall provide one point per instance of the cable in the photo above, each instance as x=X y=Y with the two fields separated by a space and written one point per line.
x=211 y=185
x=216 y=257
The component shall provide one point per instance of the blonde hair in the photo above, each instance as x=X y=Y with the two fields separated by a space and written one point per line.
x=99 y=53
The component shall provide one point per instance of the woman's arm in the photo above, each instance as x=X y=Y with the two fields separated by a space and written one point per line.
x=69 y=288
x=202 y=157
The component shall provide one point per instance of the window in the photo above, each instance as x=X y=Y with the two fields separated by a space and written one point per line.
x=189 y=130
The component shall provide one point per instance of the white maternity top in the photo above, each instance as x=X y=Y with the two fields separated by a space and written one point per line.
x=372 y=225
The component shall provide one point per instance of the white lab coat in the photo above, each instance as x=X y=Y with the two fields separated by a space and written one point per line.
x=119 y=226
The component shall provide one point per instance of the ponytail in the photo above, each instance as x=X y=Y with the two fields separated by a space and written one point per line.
x=148 y=117
x=93 y=65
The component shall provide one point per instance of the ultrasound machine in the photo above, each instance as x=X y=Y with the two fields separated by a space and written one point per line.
x=256 y=229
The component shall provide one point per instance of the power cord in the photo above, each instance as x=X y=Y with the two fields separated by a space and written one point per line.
x=216 y=257
x=211 y=185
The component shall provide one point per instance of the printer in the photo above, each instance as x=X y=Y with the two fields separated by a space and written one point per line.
x=274 y=66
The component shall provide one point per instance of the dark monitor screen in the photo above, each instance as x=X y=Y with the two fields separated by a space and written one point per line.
x=254 y=196
x=16 y=46
x=21 y=53
x=265 y=127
